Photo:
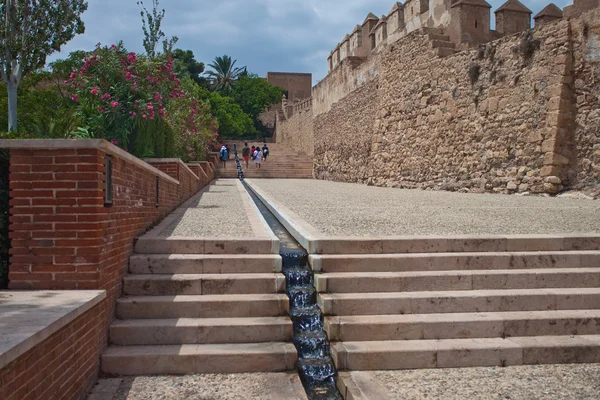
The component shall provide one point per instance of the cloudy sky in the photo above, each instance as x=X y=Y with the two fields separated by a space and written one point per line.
x=264 y=35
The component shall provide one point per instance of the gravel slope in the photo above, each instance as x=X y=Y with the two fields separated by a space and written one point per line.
x=345 y=209
x=216 y=212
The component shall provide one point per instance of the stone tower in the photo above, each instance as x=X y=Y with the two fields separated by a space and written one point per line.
x=470 y=22
x=548 y=14
x=395 y=19
x=367 y=27
x=512 y=17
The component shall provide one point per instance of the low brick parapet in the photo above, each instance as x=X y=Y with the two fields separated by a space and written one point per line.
x=67 y=232
x=52 y=348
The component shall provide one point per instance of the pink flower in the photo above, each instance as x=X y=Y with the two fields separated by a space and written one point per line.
x=134 y=84
x=94 y=91
x=128 y=76
x=157 y=97
x=131 y=58
x=115 y=142
x=73 y=74
x=113 y=104
x=150 y=106
x=105 y=96
x=144 y=116
x=75 y=98
x=152 y=115
x=112 y=47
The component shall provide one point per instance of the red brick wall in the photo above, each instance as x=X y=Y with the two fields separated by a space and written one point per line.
x=177 y=169
x=64 y=366
x=63 y=236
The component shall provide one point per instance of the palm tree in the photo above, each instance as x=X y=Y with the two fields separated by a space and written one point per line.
x=224 y=72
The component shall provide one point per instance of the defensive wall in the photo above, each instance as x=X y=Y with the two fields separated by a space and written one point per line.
x=515 y=114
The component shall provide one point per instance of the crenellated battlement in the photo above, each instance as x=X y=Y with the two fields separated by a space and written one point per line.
x=465 y=22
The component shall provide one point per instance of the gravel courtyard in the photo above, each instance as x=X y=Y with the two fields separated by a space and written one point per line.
x=532 y=382
x=346 y=209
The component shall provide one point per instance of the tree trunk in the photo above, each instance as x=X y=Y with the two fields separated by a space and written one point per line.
x=11 y=87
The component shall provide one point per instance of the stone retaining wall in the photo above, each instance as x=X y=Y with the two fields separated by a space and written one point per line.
x=519 y=114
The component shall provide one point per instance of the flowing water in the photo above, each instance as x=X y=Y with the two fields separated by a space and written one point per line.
x=315 y=366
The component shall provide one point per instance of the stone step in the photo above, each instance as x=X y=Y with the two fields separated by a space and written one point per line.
x=370 y=282
x=178 y=245
x=219 y=306
x=459 y=301
x=204 y=263
x=453 y=261
x=199 y=359
x=454 y=244
x=453 y=353
x=437 y=44
x=200 y=331
x=202 y=284
x=463 y=325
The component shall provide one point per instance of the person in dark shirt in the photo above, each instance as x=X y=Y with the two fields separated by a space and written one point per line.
x=246 y=153
x=265 y=151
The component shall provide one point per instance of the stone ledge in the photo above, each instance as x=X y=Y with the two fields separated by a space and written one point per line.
x=170 y=160
x=56 y=144
x=30 y=317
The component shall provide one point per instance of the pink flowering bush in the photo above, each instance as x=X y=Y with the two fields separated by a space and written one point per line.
x=114 y=89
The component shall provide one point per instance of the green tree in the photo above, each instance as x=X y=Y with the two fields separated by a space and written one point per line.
x=152 y=32
x=186 y=64
x=224 y=73
x=30 y=30
x=255 y=94
x=233 y=121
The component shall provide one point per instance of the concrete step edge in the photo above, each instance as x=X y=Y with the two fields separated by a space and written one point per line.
x=452 y=353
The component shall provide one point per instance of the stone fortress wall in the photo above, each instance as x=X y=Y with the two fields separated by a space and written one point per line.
x=426 y=108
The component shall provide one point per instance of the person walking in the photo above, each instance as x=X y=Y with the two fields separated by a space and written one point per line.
x=223 y=156
x=228 y=152
x=258 y=156
x=265 y=151
x=246 y=154
x=252 y=152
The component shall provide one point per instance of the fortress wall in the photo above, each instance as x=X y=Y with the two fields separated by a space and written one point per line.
x=520 y=114
x=297 y=132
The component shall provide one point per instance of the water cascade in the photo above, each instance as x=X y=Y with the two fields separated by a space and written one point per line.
x=315 y=366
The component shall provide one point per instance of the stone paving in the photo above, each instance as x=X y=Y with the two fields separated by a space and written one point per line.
x=345 y=209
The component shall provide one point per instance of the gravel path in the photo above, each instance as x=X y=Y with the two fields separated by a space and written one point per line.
x=345 y=209
x=535 y=382
x=272 y=386
x=216 y=212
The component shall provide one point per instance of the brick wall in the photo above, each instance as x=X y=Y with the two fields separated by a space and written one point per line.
x=63 y=366
x=62 y=234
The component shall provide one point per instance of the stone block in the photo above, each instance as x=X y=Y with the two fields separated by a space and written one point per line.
x=550 y=170
x=555 y=159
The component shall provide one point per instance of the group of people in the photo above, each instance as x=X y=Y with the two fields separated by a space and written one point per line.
x=256 y=153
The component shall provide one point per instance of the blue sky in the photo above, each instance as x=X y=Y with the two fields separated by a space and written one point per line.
x=264 y=35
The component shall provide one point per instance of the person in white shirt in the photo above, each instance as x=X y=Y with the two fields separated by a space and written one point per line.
x=258 y=156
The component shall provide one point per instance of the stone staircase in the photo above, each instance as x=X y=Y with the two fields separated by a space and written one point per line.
x=475 y=303
x=437 y=40
x=201 y=306
x=282 y=162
